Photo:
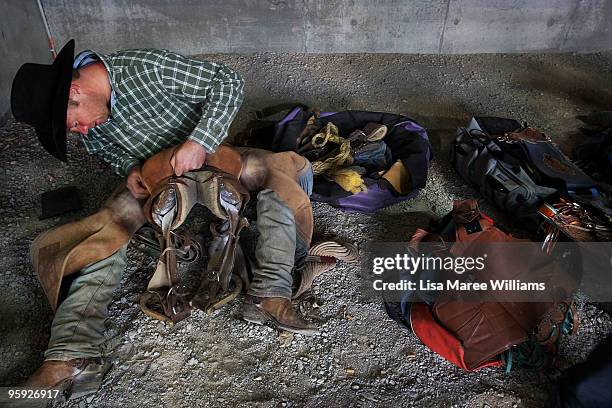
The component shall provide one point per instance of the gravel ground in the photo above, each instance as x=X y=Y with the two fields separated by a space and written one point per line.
x=360 y=357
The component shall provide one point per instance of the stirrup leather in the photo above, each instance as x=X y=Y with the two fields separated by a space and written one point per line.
x=167 y=209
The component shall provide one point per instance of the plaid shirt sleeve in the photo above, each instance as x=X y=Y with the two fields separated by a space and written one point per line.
x=120 y=161
x=216 y=87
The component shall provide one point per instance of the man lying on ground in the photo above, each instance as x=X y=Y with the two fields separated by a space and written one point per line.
x=128 y=106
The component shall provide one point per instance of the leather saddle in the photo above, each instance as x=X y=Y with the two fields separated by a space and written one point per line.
x=222 y=186
x=171 y=199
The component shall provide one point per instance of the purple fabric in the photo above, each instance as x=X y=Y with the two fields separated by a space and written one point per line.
x=290 y=116
x=373 y=199
x=413 y=127
x=324 y=114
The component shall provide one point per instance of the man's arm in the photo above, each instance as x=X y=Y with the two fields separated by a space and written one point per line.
x=220 y=92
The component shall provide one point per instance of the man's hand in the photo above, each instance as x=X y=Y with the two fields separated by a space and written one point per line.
x=135 y=184
x=188 y=156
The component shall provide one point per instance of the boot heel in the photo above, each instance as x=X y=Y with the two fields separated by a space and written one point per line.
x=85 y=386
x=89 y=381
x=253 y=314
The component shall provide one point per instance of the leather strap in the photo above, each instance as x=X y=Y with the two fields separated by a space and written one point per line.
x=170 y=202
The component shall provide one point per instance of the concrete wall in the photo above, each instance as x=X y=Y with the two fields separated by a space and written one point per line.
x=23 y=39
x=318 y=26
x=312 y=26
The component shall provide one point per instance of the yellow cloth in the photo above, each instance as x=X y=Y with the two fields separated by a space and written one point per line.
x=349 y=180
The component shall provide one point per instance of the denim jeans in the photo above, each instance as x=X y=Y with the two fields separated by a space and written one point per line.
x=78 y=326
x=279 y=251
x=275 y=250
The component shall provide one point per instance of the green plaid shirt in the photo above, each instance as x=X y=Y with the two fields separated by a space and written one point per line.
x=161 y=99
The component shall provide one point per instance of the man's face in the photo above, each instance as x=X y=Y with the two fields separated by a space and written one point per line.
x=85 y=111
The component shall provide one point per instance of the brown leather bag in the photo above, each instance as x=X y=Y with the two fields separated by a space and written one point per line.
x=486 y=329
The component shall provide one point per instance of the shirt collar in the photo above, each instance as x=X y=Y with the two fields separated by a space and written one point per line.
x=87 y=57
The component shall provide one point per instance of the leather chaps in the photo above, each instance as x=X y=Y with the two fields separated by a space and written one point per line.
x=66 y=249
x=221 y=185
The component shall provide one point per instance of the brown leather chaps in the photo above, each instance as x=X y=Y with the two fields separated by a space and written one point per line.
x=221 y=185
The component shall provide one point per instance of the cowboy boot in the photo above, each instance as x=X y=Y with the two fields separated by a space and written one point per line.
x=278 y=311
x=77 y=377
x=321 y=258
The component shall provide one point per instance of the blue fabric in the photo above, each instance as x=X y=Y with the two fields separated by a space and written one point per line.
x=306 y=180
x=372 y=155
x=276 y=247
x=78 y=325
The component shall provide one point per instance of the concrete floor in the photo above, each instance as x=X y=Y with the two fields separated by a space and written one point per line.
x=220 y=361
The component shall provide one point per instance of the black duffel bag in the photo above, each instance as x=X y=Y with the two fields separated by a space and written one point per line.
x=518 y=168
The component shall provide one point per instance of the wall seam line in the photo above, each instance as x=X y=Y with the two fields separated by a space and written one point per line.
x=444 y=27
x=304 y=22
x=569 y=25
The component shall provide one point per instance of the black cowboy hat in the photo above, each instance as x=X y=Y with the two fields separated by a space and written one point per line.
x=39 y=97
